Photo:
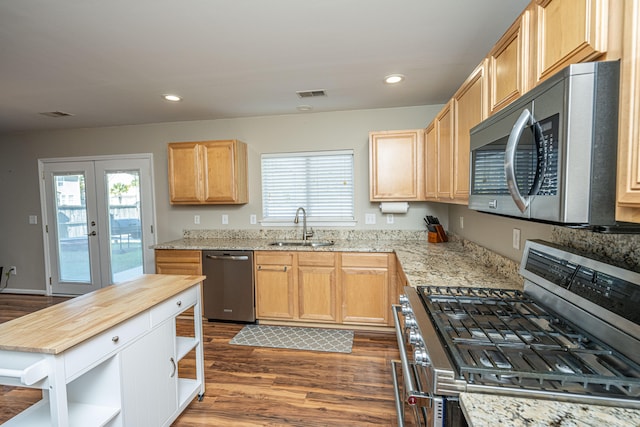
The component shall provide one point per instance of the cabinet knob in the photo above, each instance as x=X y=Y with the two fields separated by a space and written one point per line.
x=115 y=339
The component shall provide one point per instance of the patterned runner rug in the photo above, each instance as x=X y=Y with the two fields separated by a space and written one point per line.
x=315 y=339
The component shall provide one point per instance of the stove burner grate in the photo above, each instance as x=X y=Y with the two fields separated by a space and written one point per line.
x=503 y=337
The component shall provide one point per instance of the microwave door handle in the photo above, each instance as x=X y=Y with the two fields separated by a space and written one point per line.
x=510 y=159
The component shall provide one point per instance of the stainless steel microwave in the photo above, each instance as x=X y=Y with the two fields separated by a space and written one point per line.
x=551 y=155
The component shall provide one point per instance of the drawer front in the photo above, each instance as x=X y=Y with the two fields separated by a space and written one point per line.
x=89 y=352
x=274 y=258
x=365 y=260
x=326 y=259
x=178 y=256
x=174 y=306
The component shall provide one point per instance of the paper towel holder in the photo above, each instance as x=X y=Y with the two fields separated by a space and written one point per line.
x=394 y=207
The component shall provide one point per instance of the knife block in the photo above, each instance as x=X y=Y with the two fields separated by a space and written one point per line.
x=437 y=236
x=433 y=237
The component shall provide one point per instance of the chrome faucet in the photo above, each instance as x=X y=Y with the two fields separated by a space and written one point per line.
x=305 y=234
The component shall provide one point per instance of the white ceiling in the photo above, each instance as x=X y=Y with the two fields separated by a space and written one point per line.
x=108 y=62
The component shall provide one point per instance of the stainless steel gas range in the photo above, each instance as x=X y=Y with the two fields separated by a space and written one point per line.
x=572 y=335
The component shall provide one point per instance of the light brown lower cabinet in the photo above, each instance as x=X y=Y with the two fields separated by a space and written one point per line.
x=365 y=288
x=325 y=287
x=178 y=261
x=317 y=287
x=275 y=285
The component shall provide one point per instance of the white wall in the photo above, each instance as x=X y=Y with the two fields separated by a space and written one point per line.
x=21 y=244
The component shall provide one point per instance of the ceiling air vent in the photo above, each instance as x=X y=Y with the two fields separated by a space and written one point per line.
x=56 y=114
x=311 y=93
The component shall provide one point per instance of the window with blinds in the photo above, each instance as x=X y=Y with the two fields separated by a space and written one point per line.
x=320 y=182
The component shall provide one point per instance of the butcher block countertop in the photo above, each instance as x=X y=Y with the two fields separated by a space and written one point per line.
x=61 y=326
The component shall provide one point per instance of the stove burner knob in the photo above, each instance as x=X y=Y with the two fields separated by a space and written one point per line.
x=421 y=357
x=414 y=336
x=410 y=321
x=406 y=309
x=403 y=299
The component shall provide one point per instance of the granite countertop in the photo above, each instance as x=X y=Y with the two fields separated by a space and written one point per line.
x=486 y=410
x=444 y=264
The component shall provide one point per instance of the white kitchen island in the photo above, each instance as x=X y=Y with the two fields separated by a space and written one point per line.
x=108 y=358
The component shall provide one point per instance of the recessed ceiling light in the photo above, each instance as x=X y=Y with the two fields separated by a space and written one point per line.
x=304 y=107
x=172 y=98
x=394 y=78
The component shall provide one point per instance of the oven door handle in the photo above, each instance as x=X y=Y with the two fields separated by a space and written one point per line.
x=406 y=375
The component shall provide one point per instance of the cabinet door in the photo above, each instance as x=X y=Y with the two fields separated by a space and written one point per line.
x=470 y=108
x=569 y=31
x=274 y=286
x=508 y=64
x=317 y=287
x=628 y=178
x=221 y=164
x=444 y=132
x=170 y=261
x=184 y=173
x=365 y=289
x=395 y=165
x=149 y=378
x=431 y=162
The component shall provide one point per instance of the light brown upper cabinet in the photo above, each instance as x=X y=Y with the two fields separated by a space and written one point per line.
x=628 y=197
x=470 y=104
x=445 y=138
x=431 y=162
x=571 y=31
x=395 y=165
x=208 y=172
x=508 y=64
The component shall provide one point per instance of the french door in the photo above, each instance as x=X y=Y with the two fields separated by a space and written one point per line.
x=99 y=217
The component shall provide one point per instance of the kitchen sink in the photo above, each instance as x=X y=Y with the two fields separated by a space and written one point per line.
x=310 y=243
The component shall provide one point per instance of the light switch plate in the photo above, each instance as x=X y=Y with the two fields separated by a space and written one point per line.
x=516 y=238
x=196 y=219
x=253 y=219
x=225 y=219
x=369 y=218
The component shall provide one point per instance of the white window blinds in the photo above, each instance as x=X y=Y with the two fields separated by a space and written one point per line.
x=320 y=182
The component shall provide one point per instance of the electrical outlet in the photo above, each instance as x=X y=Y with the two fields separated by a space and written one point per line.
x=225 y=219
x=516 y=238
x=369 y=218
x=196 y=219
x=33 y=219
x=461 y=222
x=253 y=219
x=389 y=218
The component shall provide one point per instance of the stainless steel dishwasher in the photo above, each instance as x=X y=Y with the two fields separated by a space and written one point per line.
x=229 y=286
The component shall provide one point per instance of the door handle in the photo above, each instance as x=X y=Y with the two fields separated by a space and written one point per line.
x=93 y=233
x=510 y=159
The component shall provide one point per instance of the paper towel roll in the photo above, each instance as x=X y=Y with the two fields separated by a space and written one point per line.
x=394 y=207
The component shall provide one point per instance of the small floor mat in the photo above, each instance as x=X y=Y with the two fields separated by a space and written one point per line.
x=315 y=339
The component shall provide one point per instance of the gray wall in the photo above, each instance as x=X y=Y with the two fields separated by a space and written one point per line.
x=22 y=244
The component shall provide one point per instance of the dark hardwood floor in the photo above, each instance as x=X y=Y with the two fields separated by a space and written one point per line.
x=253 y=386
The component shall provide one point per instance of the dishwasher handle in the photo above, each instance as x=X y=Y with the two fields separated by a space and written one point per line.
x=229 y=257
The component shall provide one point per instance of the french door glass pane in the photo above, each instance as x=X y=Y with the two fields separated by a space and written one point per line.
x=71 y=219
x=125 y=225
